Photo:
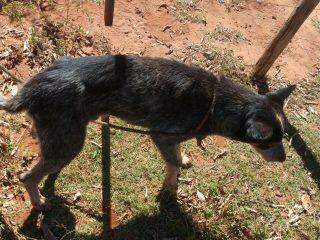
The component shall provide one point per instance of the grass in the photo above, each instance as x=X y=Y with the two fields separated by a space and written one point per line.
x=219 y=60
x=18 y=9
x=230 y=4
x=225 y=34
x=188 y=10
x=50 y=40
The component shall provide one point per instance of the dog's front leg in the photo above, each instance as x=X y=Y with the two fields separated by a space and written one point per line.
x=170 y=151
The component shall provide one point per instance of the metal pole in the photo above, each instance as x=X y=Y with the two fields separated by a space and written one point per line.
x=106 y=193
x=108 y=12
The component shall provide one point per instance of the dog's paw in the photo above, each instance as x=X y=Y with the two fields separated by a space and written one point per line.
x=185 y=161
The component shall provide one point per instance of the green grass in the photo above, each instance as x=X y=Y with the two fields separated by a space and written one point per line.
x=18 y=9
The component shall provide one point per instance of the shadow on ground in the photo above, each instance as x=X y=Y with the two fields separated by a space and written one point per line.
x=170 y=222
x=6 y=232
x=309 y=158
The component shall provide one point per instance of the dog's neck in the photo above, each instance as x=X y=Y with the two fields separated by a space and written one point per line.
x=231 y=106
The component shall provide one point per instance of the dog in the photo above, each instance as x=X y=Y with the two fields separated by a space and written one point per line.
x=160 y=94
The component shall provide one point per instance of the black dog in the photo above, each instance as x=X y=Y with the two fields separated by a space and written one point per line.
x=159 y=94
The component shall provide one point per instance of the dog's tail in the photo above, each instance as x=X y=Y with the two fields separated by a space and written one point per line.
x=13 y=105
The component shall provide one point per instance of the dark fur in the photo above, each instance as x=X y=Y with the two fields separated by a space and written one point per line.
x=156 y=93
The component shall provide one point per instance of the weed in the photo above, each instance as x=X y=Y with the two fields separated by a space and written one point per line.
x=223 y=61
x=187 y=10
x=230 y=4
x=225 y=34
x=214 y=189
x=16 y=9
x=208 y=213
x=49 y=40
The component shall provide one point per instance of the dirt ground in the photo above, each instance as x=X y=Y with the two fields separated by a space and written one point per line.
x=148 y=28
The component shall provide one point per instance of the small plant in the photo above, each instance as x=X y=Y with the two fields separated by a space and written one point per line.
x=232 y=4
x=98 y=2
x=208 y=213
x=224 y=62
x=225 y=34
x=18 y=9
x=35 y=41
x=187 y=10
x=15 y=10
x=214 y=189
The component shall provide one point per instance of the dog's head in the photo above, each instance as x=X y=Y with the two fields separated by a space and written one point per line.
x=265 y=124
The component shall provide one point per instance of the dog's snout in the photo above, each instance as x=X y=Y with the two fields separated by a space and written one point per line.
x=274 y=153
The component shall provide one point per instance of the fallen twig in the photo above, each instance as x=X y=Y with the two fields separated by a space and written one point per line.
x=13 y=152
x=223 y=208
x=96 y=144
x=10 y=74
x=221 y=154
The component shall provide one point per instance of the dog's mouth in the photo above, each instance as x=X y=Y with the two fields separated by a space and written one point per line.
x=272 y=153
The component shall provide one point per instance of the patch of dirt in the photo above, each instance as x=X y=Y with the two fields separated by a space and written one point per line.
x=219 y=141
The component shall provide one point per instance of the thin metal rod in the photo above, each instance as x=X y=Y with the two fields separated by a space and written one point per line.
x=106 y=186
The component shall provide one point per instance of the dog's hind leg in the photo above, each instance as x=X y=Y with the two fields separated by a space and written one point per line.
x=33 y=130
x=170 y=151
x=59 y=145
x=32 y=178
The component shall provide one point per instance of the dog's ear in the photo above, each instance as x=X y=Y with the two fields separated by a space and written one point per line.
x=259 y=130
x=281 y=95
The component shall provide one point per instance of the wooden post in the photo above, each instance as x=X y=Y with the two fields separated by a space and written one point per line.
x=108 y=12
x=106 y=186
x=279 y=43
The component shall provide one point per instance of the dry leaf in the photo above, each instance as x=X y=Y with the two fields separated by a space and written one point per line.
x=77 y=197
x=185 y=162
x=294 y=219
x=306 y=203
x=201 y=197
x=146 y=194
x=14 y=90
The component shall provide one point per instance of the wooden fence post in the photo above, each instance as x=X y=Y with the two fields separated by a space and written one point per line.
x=106 y=186
x=108 y=12
x=279 y=43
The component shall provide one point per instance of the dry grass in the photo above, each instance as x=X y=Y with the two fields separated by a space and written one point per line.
x=188 y=10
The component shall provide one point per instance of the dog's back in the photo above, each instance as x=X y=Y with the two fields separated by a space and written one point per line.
x=137 y=89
